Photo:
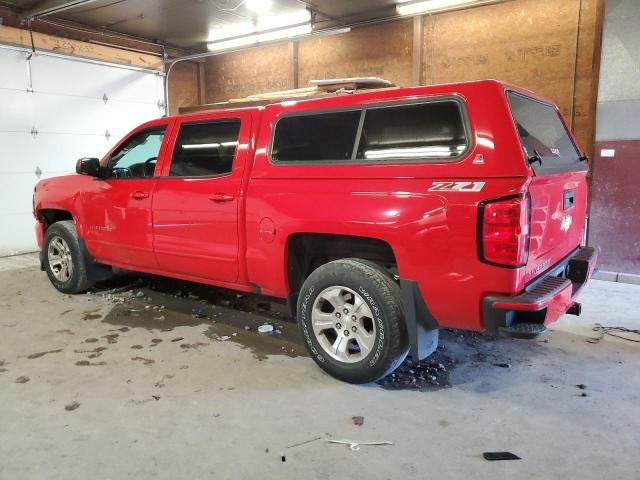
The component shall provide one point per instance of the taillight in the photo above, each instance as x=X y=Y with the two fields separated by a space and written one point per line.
x=503 y=231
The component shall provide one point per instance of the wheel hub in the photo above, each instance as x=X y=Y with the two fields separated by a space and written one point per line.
x=351 y=338
x=60 y=260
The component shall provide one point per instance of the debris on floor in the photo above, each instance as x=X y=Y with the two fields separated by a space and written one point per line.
x=72 y=406
x=266 y=328
x=357 y=420
x=355 y=446
x=494 y=456
x=22 y=379
x=299 y=444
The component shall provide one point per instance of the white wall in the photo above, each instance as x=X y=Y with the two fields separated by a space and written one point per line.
x=67 y=109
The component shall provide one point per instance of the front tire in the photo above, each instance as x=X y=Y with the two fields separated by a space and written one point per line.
x=350 y=318
x=63 y=259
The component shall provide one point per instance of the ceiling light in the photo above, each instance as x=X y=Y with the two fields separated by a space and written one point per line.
x=407 y=7
x=284 y=33
x=266 y=29
x=297 y=17
x=232 y=43
x=230 y=31
x=258 y=6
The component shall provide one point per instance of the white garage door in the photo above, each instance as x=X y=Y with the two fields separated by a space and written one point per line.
x=54 y=110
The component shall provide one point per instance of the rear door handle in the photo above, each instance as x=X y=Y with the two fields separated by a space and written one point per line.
x=221 y=197
x=139 y=195
x=567 y=200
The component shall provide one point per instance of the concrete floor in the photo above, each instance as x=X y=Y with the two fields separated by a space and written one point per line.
x=113 y=391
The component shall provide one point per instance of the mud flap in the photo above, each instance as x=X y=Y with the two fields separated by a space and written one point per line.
x=96 y=272
x=422 y=328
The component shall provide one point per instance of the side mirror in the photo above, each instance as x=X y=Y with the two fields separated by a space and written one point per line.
x=88 y=166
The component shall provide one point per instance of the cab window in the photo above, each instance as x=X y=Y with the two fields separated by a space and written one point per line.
x=205 y=149
x=137 y=156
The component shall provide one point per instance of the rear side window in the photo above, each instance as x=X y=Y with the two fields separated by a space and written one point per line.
x=205 y=149
x=418 y=132
x=545 y=141
x=426 y=131
x=315 y=138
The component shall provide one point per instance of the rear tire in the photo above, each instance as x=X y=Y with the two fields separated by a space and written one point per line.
x=350 y=318
x=63 y=258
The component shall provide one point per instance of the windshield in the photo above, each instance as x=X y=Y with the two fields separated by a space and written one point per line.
x=545 y=141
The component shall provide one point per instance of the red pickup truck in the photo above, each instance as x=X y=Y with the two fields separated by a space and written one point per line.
x=381 y=216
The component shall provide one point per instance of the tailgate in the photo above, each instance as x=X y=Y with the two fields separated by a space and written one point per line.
x=558 y=190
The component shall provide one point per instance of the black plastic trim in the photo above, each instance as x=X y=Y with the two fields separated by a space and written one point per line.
x=422 y=327
x=541 y=288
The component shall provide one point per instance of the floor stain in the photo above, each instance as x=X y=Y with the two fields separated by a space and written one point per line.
x=22 y=379
x=72 y=406
x=66 y=311
x=111 y=338
x=65 y=331
x=87 y=363
x=137 y=347
x=93 y=350
x=145 y=361
x=42 y=354
x=91 y=340
x=3 y=370
x=92 y=315
x=194 y=346
x=161 y=383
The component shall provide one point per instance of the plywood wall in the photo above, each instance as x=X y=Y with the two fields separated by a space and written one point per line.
x=183 y=86
x=236 y=75
x=550 y=47
x=547 y=47
x=382 y=50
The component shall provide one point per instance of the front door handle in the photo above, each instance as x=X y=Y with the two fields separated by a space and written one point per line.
x=139 y=195
x=221 y=197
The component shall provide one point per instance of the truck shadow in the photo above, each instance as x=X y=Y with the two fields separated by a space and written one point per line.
x=162 y=304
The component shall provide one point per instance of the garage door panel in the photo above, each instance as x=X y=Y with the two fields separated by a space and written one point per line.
x=93 y=80
x=17 y=234
x=16 y=110
x=16 y=194
x=50 y=152
x=71 y=119
x=13 y=66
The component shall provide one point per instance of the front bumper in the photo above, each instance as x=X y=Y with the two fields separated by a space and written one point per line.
x=544 y=300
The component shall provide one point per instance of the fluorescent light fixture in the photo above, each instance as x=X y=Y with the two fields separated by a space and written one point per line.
x=289 y=19
x=267 y=28
x=232 y=43
x=258 y=6
x=284 y=33
x=230 y=31
x=408 y=7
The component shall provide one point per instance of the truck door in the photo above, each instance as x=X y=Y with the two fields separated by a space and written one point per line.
x=117 y=209
x=197 y=198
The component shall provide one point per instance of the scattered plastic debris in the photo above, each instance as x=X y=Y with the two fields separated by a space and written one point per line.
x=224 y=338
x=493 y=456
x=357 y=420
x=299 y=444
x=355 y=446
x=266 y=328
x=581 y=386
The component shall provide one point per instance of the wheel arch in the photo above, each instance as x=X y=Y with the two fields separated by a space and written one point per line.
x=306 y=251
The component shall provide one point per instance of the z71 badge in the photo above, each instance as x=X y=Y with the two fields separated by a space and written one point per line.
x=456 y=186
